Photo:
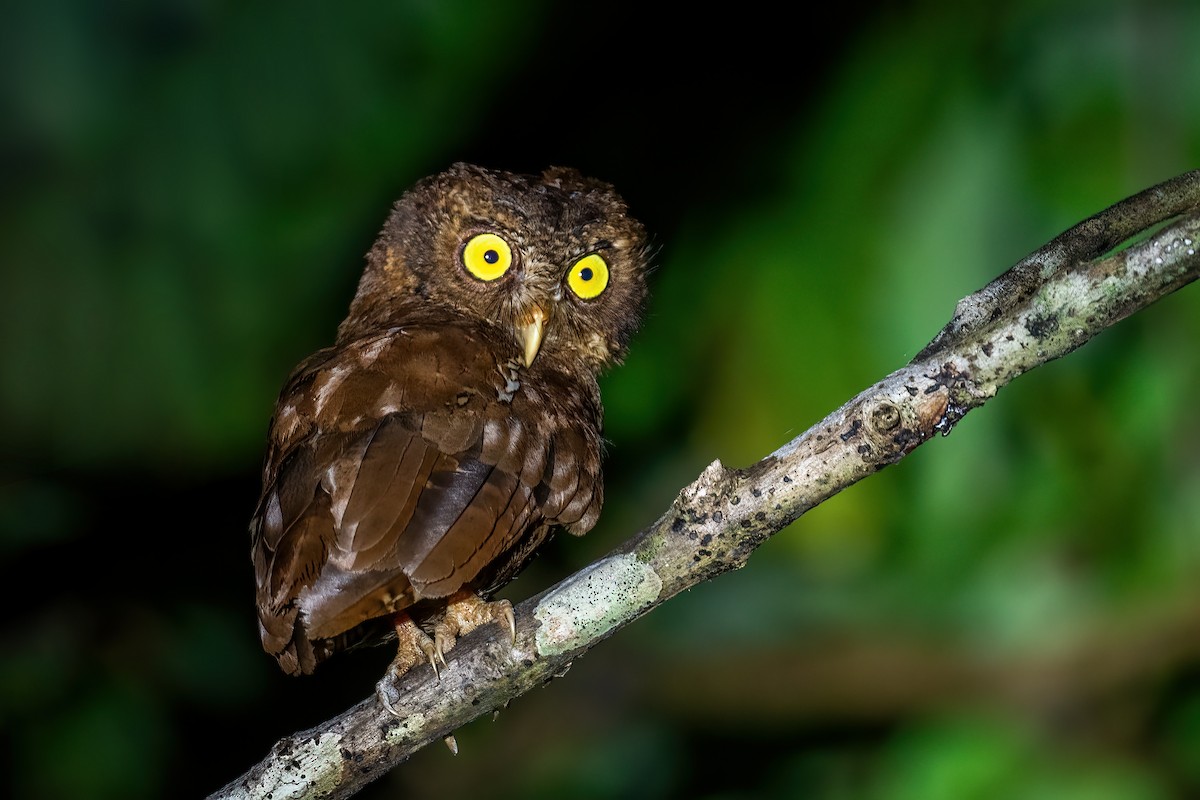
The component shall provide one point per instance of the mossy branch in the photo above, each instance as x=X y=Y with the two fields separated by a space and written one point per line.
x=1056 y=299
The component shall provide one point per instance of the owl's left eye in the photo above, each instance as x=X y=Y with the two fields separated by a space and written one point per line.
x=588 y=277
x=487 y=256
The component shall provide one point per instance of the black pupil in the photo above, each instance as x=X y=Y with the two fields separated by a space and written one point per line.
x=491 y=256
x=585 y=274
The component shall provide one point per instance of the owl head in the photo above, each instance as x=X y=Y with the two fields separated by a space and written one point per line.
x=555 y=260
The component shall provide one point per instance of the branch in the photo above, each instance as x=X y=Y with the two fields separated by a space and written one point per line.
x=1050 y=303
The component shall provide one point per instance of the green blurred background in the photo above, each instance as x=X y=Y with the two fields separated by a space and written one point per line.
x=189 y=187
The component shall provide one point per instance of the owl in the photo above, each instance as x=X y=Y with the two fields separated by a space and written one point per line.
x=415 y=466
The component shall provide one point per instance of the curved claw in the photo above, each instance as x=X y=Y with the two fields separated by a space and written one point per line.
x=506 y=613
x=442 y=643
x=434 y=658
x=384 y=690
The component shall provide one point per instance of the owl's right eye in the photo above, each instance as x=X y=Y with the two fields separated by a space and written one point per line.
x=487 y=256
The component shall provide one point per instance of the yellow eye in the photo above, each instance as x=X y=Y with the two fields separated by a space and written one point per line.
x=589 y=277
x=487 y=256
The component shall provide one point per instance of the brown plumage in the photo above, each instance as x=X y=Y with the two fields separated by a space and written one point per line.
x=455 y=424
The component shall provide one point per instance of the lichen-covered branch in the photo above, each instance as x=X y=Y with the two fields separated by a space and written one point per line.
x=1047 y=305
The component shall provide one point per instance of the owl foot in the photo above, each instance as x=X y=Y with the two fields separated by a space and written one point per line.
x=465 y=612
x=414 y=646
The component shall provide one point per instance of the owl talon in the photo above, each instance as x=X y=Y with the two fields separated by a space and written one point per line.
x=432 y=652
x=412 y=646
x=443 y=642
x=385 y=689
x=506 y=614
x=433 y=662
x=467 y=611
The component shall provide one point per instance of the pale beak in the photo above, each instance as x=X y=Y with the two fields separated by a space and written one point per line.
x=530 y=334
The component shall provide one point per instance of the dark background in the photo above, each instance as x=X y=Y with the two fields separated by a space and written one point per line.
x=1011 y=612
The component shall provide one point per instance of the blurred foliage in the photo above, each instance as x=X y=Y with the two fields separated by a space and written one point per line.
x=188 y=191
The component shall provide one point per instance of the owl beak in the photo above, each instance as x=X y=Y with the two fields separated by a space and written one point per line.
x=530 y=334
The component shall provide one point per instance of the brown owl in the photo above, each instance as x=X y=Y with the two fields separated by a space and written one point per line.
x=416 y=465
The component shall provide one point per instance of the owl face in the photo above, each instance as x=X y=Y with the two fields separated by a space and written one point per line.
x=554 y=260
